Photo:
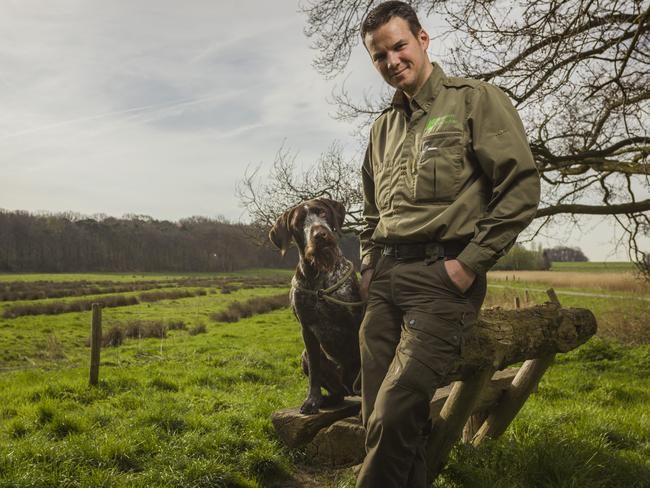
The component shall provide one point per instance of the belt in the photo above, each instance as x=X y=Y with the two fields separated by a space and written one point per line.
x=430 y=250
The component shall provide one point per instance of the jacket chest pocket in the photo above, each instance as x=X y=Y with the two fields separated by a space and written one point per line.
x=436 y=175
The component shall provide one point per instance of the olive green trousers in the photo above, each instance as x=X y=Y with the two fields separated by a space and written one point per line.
x=411 y=339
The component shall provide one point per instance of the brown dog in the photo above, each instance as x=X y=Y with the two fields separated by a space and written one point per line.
x=325 y=299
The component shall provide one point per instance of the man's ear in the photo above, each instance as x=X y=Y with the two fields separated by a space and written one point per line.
x=280 y=233
x=338 y=211
x=423 y=39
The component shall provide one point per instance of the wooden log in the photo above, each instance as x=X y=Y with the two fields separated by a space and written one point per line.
x=503 y=337
x=454 y=414
x=95 y=343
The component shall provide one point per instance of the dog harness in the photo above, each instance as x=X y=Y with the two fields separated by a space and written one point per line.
x=325 y=293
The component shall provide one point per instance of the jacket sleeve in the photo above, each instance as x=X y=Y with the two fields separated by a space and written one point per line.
x=370 y=251
x=501 y=148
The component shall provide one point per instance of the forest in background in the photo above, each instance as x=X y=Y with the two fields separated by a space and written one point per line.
x=69 y=242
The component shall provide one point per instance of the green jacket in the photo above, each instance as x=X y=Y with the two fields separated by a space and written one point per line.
x=451 y=164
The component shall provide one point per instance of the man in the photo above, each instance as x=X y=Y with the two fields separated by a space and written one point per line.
x=449 y=181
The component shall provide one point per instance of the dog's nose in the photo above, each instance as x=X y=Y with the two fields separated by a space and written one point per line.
x=320 y=232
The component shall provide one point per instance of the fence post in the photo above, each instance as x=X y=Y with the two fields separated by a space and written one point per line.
x=95 y=343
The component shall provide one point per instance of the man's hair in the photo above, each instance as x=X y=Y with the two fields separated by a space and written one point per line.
x=383 y=12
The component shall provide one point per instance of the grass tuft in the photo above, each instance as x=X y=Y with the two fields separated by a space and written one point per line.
x=163 y=384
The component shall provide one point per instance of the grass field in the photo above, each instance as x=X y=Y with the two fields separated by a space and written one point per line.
x=194 y=409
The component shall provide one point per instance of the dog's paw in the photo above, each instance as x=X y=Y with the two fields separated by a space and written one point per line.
x=311 y=405
x=332 y=400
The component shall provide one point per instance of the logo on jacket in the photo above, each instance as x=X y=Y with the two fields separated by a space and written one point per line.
x=435 y=124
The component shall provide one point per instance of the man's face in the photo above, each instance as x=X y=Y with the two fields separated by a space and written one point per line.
x=399 y=56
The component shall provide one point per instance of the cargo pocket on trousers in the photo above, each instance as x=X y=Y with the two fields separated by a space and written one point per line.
x=429 y=350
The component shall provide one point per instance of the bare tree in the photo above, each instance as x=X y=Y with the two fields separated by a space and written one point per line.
x=332 y=176
x=578 y=72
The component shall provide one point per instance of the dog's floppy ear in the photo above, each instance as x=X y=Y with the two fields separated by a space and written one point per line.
x=338 y=211
x=280 y=233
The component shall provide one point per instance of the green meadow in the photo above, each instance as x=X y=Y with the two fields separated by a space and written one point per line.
x=191 y=407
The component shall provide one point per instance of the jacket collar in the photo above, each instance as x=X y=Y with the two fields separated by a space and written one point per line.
x=425 y=95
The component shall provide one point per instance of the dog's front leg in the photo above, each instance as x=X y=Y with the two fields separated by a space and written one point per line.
x=314 y=396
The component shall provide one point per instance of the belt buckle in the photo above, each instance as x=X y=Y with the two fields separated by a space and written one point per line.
x=389 y=250
x=432 y=252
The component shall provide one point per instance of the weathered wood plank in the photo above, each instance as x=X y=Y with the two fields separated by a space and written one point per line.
x=448 y=427
x=513 y=399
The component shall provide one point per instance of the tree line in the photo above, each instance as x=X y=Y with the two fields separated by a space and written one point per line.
x=70 y=242
x=76 y=243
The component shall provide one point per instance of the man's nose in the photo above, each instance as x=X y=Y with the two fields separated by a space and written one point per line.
x=392 y=60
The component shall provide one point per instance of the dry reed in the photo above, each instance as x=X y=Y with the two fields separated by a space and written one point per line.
x=620 y=281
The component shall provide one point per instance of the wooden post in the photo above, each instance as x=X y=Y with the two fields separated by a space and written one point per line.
x=448 y=428
x=514 y=398
x=517 y=302
x=526 y=296
x=95 y=343
x=553 y=297
x=472 y=426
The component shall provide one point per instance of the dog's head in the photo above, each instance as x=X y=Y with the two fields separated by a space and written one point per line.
x=313 y=226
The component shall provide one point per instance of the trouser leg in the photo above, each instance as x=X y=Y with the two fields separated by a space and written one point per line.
x=396 y=428
x=436 y=316
x=379 y=335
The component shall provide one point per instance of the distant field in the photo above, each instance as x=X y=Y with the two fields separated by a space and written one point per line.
x=191 y=406
x=135 y=276
x=593 y=266
x=588 y=276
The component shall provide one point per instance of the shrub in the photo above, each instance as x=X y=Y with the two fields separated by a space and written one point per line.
x=521 y=258
x=198 y=329
x=54 y=308
x=239 y=310
x=113 y=337
x=141 y=329
x=176 y=325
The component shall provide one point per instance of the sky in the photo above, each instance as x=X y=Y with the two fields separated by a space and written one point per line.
x=159 y=107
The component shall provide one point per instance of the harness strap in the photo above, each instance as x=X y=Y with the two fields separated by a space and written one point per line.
x=324 y=293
